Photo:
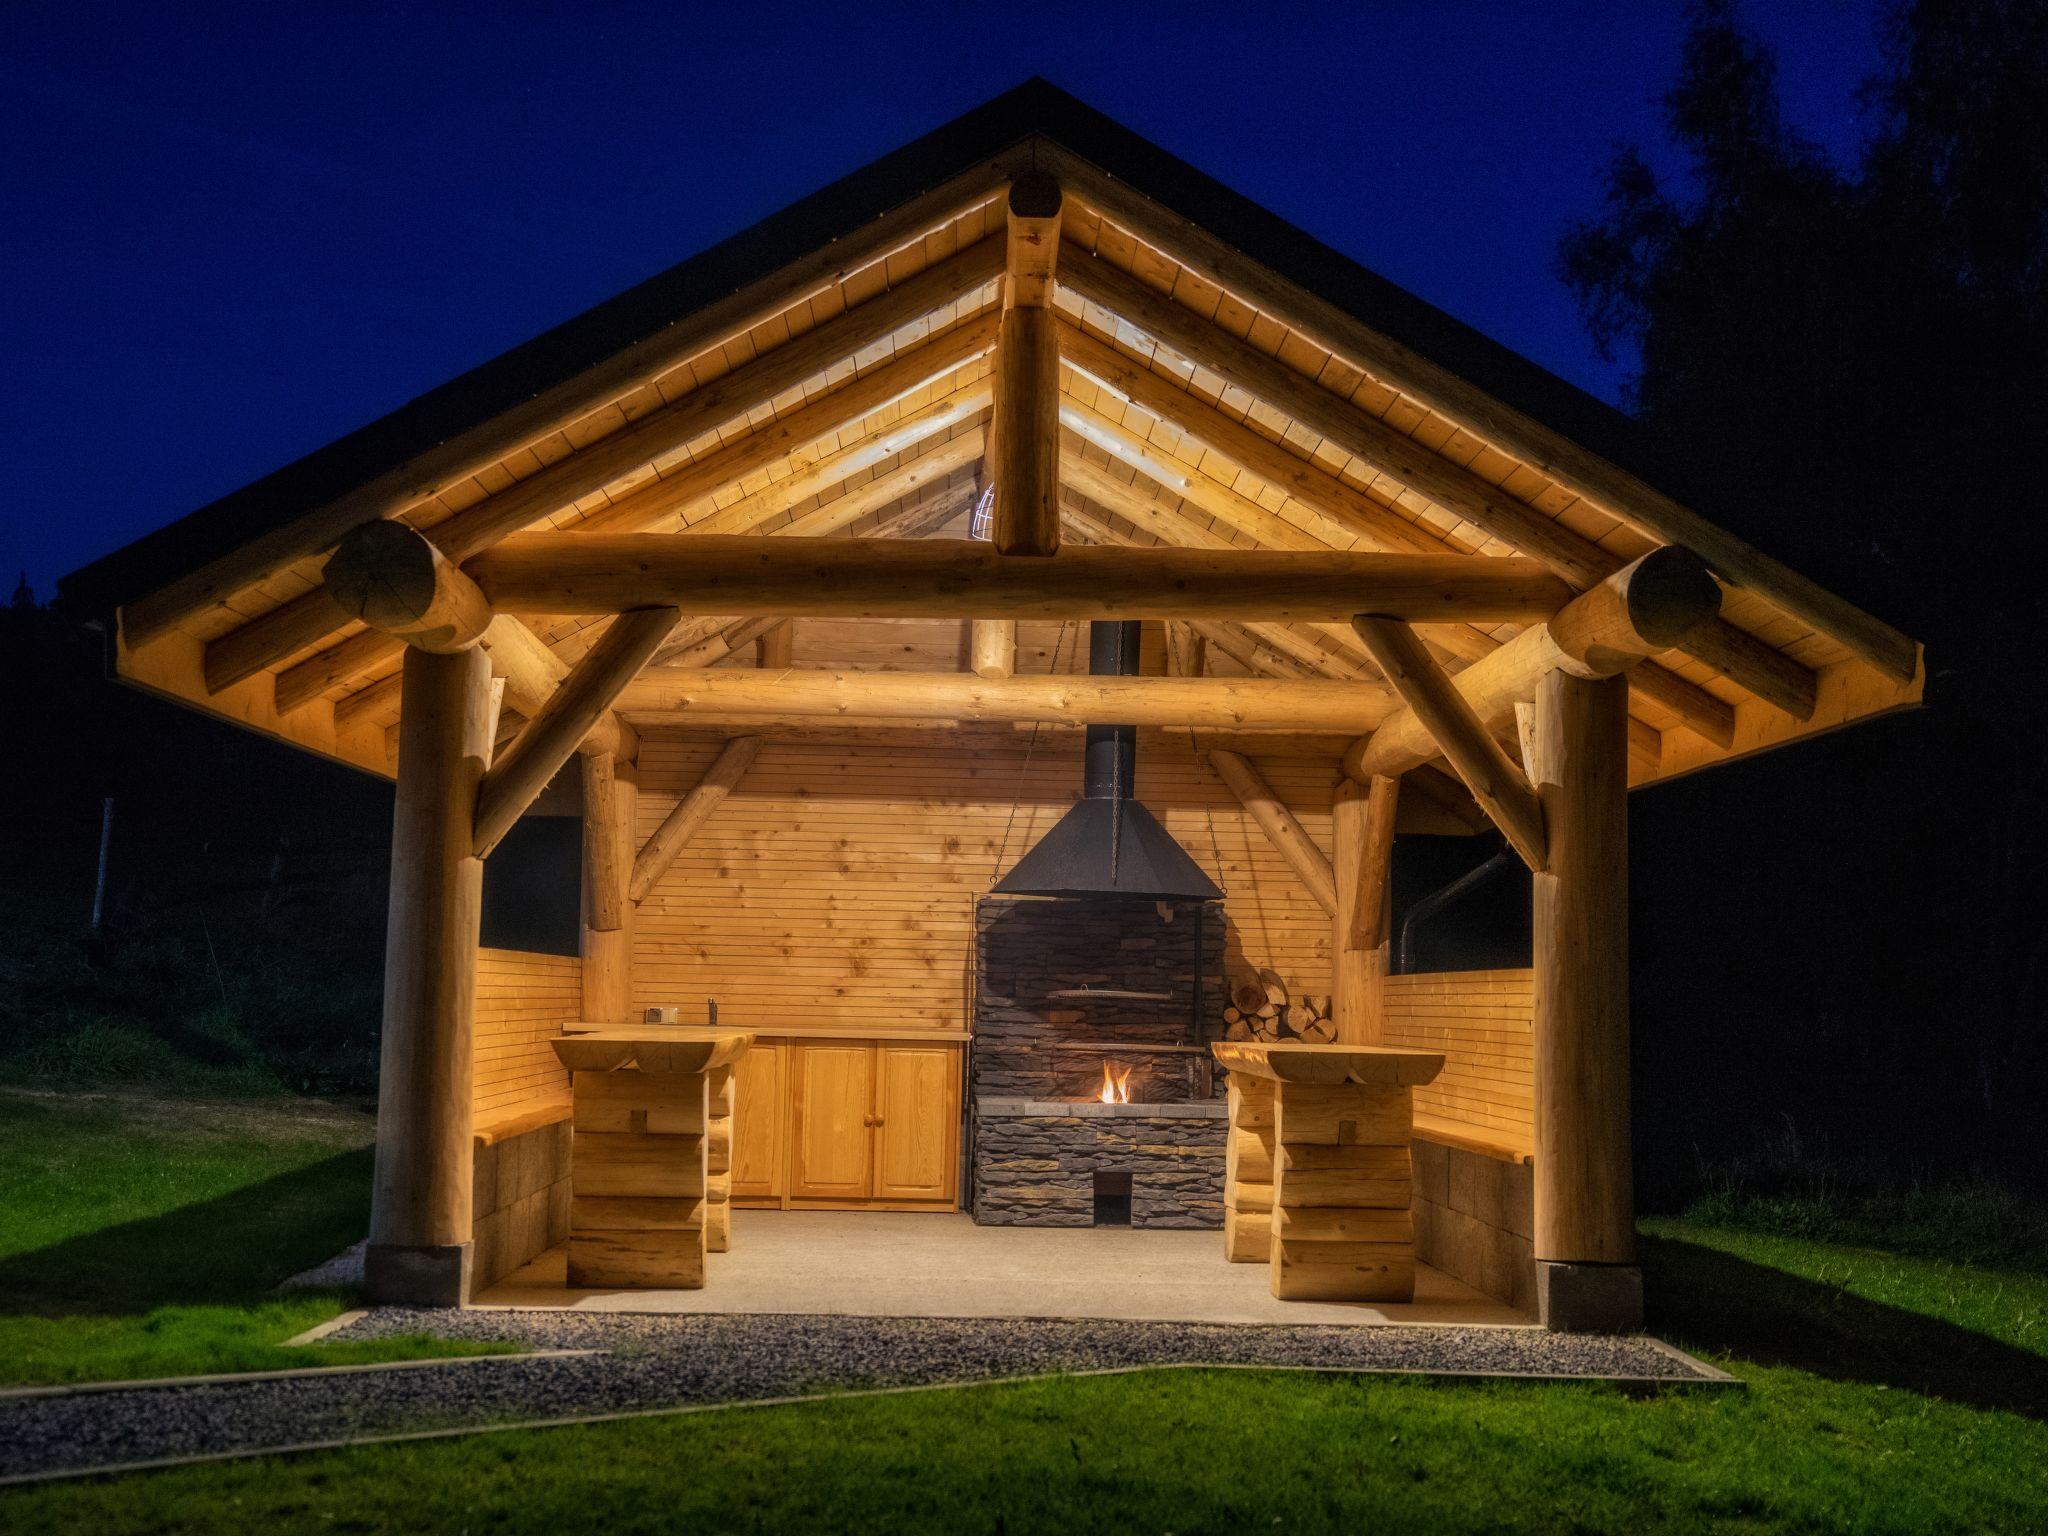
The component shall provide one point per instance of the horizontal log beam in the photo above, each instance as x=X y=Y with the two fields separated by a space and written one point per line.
x=965 y=579
x=660 y=697
x=1642 y=609
x=388 y=576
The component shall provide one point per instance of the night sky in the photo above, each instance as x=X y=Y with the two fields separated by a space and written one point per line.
x=233 y=233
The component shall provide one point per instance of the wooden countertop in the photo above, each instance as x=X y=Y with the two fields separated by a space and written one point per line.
x=764 y=1031
x=1295 y=1061
x=664 y=1049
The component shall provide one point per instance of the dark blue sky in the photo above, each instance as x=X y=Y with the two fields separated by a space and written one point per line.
x=236 y=232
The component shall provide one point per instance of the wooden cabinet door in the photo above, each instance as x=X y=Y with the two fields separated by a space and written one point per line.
x=760 y=1114
x=917 y=1102
x=832 y=1135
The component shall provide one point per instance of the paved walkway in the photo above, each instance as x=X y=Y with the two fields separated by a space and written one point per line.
x=644 y=1363
x=940 y=1264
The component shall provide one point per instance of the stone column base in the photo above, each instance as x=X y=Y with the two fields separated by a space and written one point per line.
x=1589 y=1298
x=402 y=1276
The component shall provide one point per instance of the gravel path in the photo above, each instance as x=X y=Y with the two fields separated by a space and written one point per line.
x=668 y=1361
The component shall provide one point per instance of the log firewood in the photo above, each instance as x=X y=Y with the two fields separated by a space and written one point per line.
x=1275 y=988
x=1319 y=1031
x=1248 y=995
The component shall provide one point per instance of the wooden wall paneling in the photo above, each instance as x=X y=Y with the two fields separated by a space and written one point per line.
x=522 y=1000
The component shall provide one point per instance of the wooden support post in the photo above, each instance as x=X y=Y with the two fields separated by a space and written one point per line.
x=1025 y=449
x=609 y=801
x=1290 y=839
x=1496 y=783
x=567 y=717
x=718 y=1133
x=420 y=1213
x=690 y=813
x=775 y=645
x=1585 y=1201
x=1186 y=649
x=995 y=647
x=1362 y=827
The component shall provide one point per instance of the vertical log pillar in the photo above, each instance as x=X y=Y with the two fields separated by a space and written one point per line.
x=420 y=1212
x=610 y=798
x=1587 y=1279
x=1362 y=825
x=993 y=643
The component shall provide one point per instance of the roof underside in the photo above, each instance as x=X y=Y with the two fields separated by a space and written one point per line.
x=1227 y=384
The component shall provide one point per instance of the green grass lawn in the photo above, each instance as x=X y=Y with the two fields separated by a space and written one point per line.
x=1884 y=1393
x=143 y=1236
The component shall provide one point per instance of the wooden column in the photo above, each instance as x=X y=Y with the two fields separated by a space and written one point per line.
x=1362 y=827
x=774 y=647
x=419 y=1249
x=610 y=798
x=994 y=643
x=1025 y=440
x=1585 y=1197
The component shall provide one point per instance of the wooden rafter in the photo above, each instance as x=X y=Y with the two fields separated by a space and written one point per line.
x=1576 y=468
x=1769 y=674
x=834 y=411
x=720 y=695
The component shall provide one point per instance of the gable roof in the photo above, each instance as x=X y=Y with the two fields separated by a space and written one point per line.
x=1238 y=281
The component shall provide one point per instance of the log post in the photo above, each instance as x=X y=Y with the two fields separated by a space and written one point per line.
x=1025 y=445
x=1362 y=827
x=610 y=798
x=419 y=1248
x=1586 y=1274
x=774 y=647
x=994 y=643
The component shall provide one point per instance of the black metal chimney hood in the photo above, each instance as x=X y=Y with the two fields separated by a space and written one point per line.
x=1109 y=844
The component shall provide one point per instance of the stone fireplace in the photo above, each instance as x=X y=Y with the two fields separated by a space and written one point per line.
x=1075 y=997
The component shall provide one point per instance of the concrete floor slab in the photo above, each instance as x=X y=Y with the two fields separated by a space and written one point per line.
x=915 y=1264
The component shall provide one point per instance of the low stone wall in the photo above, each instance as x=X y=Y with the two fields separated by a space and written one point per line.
x=520 y=1197
x=1035 y=1162
x=1475 y=1219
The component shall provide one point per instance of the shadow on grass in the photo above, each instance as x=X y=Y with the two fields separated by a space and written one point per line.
x=225 y=1250
x=1704 y=1298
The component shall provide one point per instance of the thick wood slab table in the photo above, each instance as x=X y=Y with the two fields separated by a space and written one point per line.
x=653 y=1148
x=1319 y=1173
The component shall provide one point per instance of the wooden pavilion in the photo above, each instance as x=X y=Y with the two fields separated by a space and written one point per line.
x=783 y=557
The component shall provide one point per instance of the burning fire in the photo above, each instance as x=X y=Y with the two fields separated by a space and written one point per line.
x=1116 y=1084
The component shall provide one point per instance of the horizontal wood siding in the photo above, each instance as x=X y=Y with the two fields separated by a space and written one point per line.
x=522 y=1001
x=836 y=885
x=1482 y=1022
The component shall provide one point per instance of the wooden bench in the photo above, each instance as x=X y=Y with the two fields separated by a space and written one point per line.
x=520 y=1189
x=1475 y=1207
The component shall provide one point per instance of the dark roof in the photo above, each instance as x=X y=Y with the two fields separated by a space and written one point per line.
x=1035 y=107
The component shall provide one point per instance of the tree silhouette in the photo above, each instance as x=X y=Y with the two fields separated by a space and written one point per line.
x=1851 y=364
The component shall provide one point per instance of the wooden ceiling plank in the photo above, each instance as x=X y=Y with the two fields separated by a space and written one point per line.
x=1782 y=682
x=861 y=396
x=1570 y=464
x=291 y=627
x=458 y=458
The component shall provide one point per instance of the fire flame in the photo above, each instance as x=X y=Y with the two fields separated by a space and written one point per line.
x=1116 y=1084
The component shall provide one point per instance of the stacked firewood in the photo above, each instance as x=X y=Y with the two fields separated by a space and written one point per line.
x=1261 y=1008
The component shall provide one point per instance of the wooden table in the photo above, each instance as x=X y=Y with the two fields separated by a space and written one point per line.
x=1319 y=1169
x=650 y=1167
